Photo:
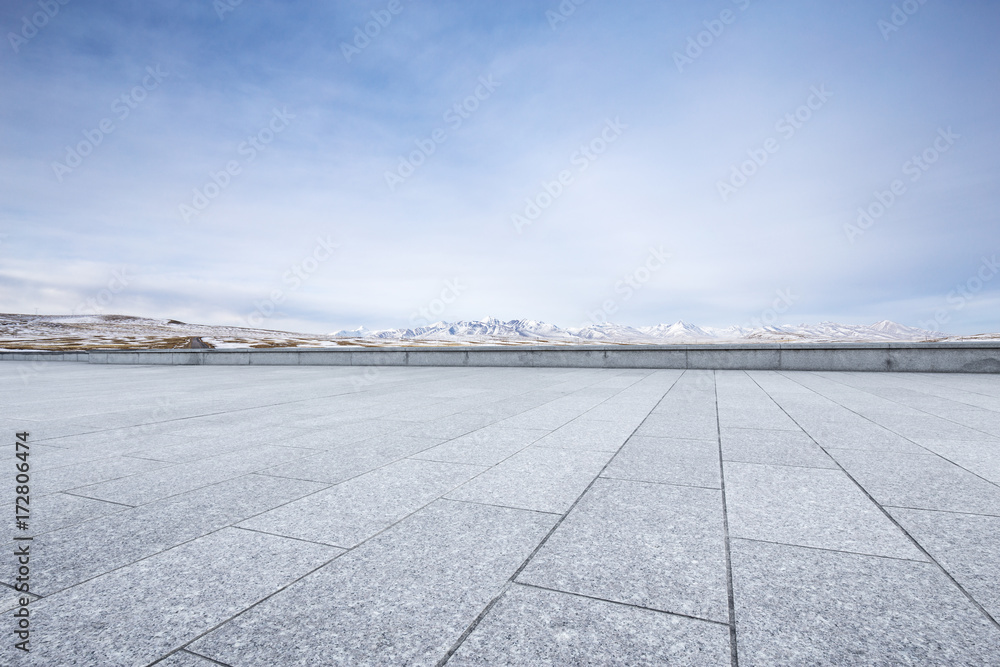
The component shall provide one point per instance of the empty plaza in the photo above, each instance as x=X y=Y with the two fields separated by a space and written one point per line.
x=190 y=516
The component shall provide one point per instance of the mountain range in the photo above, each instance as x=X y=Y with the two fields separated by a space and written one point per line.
x=493 y=329
x=81 y=332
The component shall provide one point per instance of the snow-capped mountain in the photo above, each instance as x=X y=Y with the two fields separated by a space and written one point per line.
x=678 y=329
x=494 y=330
x=63 y=332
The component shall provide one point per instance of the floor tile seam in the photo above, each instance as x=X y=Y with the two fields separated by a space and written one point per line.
x=137 y=560
x=928 y=379
x=202 y=488
x=830 y=550
x=674 y=484
x=755 y=428
x=920 y=381
x=535 y=445
x=890 y=400
x=489 y=606
x=174 y=495
x=620 y=603
x=909 y=536
x=36 y=597
x=506 y=507
x=778 y=465
x=189 y=652
x=210 y=414
x=237 y=526
x=103 y=481
x=927 y=553
x=943 y=511
x=495 y=422
x=915 y=443
x=186 y=646
x=734 y=656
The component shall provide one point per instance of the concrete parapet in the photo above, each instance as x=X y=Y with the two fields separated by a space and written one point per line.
x=972 y=357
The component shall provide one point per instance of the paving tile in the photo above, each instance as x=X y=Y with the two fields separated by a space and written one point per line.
x=652 y=545
x=449 y=427
x=340 y=433
x=754 y=414
x=809 y=507
x=686 y=426
x=85 y=550
x=346 y=461
x=536 y=478
x=797 y=606
x=920 y=427
x=91 y=472
x=787 y=448
x=589 y=435
x=11 y=599
x=153 y=485
x=860 y=435
x=353 y=511
x=920 y=481
x=185 y=659
x=404 y=597
x=668 y=461
x=966 y=545
x=981 y=457
x=543 y=417
x=146 y=610
x=485 y=447
x=531 y=626
x=58 y=510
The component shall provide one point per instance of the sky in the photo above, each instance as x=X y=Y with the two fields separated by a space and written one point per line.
x=316 y=166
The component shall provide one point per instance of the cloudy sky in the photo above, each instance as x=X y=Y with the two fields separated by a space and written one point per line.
x=313 y=166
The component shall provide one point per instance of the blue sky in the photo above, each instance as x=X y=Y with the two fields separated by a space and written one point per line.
x=240 y=173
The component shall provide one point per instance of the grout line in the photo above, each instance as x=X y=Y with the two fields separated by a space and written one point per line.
x=69 y=492
x=929 y=509
x=506 y=507
x=622 y=604
x=650 y=481
x=730 y=593
x=835 y=551
x=914 y=442
x=894 y=521
x=486 y=610
x=189 y=652
x=289 y=537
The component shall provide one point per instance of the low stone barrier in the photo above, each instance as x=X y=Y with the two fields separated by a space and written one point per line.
x=971 y=357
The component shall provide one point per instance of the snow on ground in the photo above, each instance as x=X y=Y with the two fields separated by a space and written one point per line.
x=66 y=332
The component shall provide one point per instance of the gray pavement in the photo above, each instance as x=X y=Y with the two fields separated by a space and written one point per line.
x=191 y=516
